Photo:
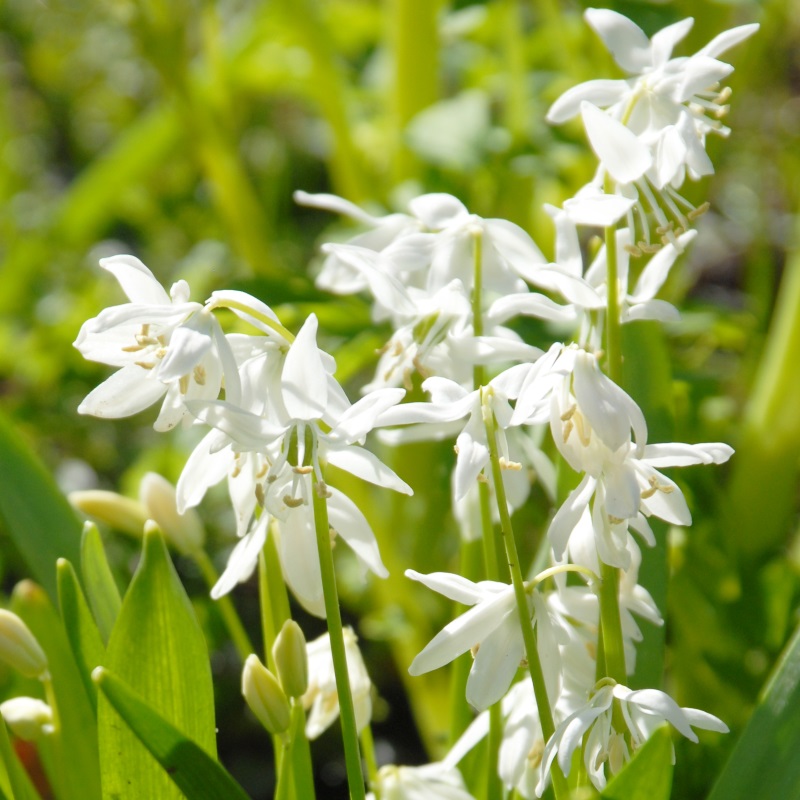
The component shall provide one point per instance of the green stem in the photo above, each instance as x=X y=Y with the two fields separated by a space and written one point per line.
x=302 y=769
x=333 y=616
x=368 y=749
x=273 y=597
x=478 y=371
x=528 y=634
x=226 y=608
x=613 y=648
x=268 y=321
x=283 y=789
x=613 y=326
x=494 y=787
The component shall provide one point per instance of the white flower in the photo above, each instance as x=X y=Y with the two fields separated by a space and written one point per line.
x=491 y=629
x=428 y=782
x=668 y=104
x=592 y=430
x=163 y=344
x=643 y=711
x=299 y=419
x=27 y=717
x=322 y=697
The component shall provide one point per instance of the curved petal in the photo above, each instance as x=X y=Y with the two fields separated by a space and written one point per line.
x=304 y=380
x=128 y=391
x=438 y=210
x=625 y=40
x=621 y=152
x=367 y=466
x=727 y=39
x=242 y=560
x=601 y=93
x=496 y=663
x=348 y=521
x=136 y=280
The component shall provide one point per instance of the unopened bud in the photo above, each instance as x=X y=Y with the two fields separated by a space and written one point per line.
x=184 y=531
x=19 y=648
x=265 y=697
x=121 y=513
x=291 y=659
x=27 y=717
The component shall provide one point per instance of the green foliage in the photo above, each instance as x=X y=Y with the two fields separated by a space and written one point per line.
x=35 y=514
x=764 y=761
x=165 y=661
x=188 y=765
x=648 y=776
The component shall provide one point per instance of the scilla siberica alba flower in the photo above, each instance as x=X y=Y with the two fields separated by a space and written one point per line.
x=164 y=346
x=669 y=104
x=429 y=782
x=643 y=711
x=307 y=422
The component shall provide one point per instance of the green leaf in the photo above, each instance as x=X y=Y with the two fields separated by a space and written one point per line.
x=33 y=511
x=764 y=762
x=101 y=588
x=74 y=745
x=648 y=776
x=84 y=638
x=186 y=763
x=19 y=784
x=158 y=649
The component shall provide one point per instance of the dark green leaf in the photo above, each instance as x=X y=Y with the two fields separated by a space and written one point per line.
x=764 y=762
x=35 y=514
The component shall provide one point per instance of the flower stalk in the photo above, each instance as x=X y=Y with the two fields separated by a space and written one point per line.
x=333 y=616
x=528 y=633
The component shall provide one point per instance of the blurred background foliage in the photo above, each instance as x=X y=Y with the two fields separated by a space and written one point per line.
x=178 y=130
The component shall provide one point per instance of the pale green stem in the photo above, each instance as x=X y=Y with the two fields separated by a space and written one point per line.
x=333 y=617
x=273 y=597
x=368 y=749
x=610 y=622
x=50 y=696
x=225 y=606
x=478 y=371
x=283 y=788
x=301 y=754
x=494 y=787
x=528 y=634
x=268 y=321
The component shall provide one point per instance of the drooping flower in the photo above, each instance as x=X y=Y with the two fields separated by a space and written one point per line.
x=643 y=710
x=164 y=345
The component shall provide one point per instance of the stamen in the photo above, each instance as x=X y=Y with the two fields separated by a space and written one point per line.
x=199 y=374
x=292 y=502
x=183 y=384
x=144 y=364
x=513 y=466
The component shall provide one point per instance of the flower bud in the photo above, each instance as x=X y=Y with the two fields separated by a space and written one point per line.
x=184 y=531
x=27 y=717
x=121 y=513
x=19 y=648
x=265 y=697
x=291 y=659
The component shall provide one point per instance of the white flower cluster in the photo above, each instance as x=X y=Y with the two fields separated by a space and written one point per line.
x=447 y=282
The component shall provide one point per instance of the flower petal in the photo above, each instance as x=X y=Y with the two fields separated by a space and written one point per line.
x=128 y=391
x=304 y=379
x=625 y=40
x=366 y=465
x=136 y=280
x=348 y=521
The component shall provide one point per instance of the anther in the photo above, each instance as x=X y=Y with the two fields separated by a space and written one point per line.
x=633 y=250
x=292 y=502
x=699 y=211
x=199 y=374
x=514 y=466
x=306 y=470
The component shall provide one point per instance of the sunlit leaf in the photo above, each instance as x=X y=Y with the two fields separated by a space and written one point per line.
x=648 y=776
x=84 y=638
x=101 y=590
x=158 y=649
x=75 y=752
x=187 y=764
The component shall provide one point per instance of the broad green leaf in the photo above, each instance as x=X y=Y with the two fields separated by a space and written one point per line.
x=764 y=762
x=33 y=511
x=648 y=776
x=101 y=589
x=187 y=764
x=84 y=638
x=158 y=649
x=18 y=784
x=74 y=745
